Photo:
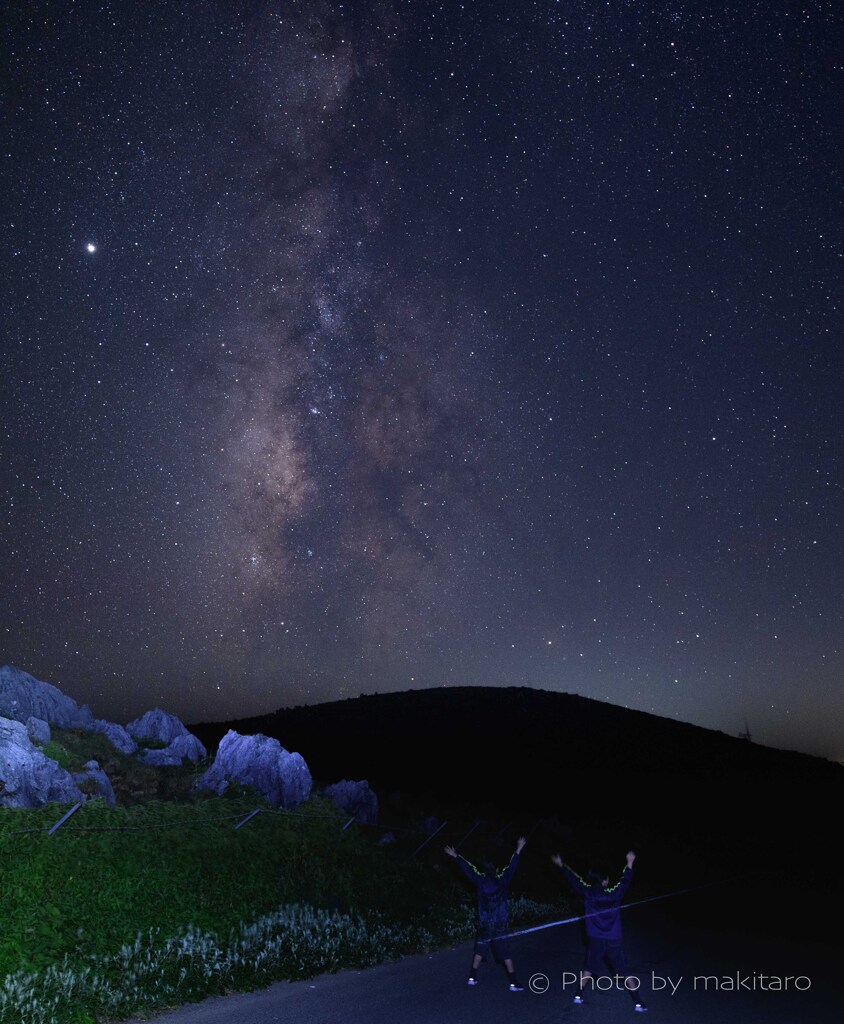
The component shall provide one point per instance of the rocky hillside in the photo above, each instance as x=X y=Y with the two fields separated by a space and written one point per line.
x=54 y=751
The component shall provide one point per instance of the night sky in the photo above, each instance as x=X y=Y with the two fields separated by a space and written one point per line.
x=353 y=348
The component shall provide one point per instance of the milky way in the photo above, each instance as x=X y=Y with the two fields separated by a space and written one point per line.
x=363 y=347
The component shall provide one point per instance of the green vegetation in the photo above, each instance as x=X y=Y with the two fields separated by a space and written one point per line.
x=134 y=782
x=131 y=908
x=58 y=752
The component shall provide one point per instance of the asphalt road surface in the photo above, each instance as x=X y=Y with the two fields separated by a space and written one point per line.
x=671 y=955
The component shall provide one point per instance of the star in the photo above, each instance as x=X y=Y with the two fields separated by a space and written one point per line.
x=90 y=247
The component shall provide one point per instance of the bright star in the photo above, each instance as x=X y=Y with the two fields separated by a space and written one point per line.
x=91 y=247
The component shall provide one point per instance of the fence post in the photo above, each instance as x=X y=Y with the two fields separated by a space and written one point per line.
x=64 y=818
x=501 y=833
x=471 y=830
x=430 y=837
x=248 y=817
x=533 y=828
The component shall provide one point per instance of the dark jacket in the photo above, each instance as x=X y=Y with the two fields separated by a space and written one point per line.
x=493 y=894
x=603 y=920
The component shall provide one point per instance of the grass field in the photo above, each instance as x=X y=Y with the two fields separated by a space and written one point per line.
x=137 y=907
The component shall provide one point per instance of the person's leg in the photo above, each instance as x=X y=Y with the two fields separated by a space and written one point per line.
x=502 y=954
x=585 y=980
x=477 y=960
x=634 y=988
x=515 y=984
x=632 y=984
x=592 y=967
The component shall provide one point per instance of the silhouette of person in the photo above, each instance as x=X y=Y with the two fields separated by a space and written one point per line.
x=493 y=911
x=601 y=903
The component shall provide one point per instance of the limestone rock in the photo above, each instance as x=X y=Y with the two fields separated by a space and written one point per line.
x=99 y=781
x=27 y=777
x=165 y=728
x=355 y=798
x=38 y=730
x=22 y=696
x=160 y=758
x=187 y=746
x=261 y=762
x=116 y=735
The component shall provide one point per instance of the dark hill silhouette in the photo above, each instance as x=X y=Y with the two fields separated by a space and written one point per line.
x=698 y=806
x=560 y=753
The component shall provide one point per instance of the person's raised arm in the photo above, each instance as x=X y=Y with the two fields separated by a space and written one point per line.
x=469 y=870
x=574 y=880
x=623 y=883
x=510 y=870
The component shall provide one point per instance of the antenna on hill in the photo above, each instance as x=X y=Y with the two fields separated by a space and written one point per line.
x=746 y=734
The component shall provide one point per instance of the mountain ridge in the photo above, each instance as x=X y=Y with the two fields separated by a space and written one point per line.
x=529 y=747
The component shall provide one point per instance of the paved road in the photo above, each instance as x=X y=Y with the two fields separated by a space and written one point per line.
x=431 y=988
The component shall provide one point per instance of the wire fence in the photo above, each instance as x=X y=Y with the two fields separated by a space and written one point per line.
x=426 y=832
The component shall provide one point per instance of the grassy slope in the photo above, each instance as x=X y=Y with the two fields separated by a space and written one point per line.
x=152 y=873
x=110 y=873
x=167 y=860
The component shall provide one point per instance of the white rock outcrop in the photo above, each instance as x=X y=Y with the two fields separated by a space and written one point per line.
x=261 y=762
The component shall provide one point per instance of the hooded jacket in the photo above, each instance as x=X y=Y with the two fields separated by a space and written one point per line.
x=603 y=919
x=493 y=893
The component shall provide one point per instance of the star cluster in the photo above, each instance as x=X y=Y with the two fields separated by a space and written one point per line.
x=356 y=347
